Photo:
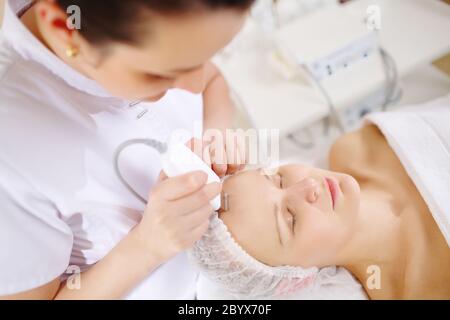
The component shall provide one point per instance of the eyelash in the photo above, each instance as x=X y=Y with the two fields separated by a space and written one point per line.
x=281 y=181
x=153 y=77
x=294 y=220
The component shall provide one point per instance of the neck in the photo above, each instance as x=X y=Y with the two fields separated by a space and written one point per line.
x=375 y=254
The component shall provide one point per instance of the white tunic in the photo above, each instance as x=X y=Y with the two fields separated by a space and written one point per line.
x=61 y=203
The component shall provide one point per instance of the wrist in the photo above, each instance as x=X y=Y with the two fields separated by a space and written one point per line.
x=145 y=251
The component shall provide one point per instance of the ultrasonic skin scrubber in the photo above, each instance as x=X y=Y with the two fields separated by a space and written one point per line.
x=176 y=159
x=179 y=159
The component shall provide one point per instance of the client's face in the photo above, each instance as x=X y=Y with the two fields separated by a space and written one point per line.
x=299 y=216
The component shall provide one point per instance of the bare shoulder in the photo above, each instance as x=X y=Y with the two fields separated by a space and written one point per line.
x=356 y=149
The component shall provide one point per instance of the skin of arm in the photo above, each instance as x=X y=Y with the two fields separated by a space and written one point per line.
x=218 y=107
x=219 y=112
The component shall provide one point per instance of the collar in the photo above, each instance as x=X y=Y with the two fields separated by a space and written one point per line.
x=30 y=48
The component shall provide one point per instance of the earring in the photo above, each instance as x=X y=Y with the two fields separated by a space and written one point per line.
x=71 y=52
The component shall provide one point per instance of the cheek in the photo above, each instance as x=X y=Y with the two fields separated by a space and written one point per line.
x=317 y=228
x=318 y=238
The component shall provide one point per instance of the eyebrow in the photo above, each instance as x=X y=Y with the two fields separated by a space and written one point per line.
x=267 y=177
x=261 y=172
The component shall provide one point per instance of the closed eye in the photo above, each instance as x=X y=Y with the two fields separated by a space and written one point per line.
x=278 y=181
x=156 y=77
x=293 y=220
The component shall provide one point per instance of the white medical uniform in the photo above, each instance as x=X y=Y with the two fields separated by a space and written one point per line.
x=61 y=203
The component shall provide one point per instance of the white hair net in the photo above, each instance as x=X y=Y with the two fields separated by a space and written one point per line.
x=223 y=261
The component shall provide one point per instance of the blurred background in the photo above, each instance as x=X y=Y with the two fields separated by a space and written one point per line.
x=312 y=69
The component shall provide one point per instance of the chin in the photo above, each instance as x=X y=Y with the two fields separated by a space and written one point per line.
x=156 y=98
x=349 y=186
x=352 y=195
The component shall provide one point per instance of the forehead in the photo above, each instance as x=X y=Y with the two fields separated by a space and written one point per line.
x=251 y=218
x=185 y=41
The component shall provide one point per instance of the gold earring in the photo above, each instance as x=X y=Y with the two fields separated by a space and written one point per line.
x=71 y=52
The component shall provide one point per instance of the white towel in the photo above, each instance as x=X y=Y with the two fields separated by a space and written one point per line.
x=420 y=137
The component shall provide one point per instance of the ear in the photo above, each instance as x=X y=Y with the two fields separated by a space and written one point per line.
x=56 y=22
x=54 y=19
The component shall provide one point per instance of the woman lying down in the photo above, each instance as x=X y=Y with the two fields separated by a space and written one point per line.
x=382 y=213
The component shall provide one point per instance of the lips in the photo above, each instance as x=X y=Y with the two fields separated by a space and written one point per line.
x=332 y=186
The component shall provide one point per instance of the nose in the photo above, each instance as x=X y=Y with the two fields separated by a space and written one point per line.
x=307 y=189
x=192 y=81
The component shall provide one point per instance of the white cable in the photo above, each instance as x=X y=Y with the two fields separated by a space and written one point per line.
x=393 y=92
x=156 y=145
x=176 y=159
x=334 y=114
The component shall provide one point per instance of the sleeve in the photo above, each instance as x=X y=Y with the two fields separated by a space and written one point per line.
x=35 y=244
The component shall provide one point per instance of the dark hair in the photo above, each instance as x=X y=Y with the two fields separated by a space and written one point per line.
x=103 y=21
